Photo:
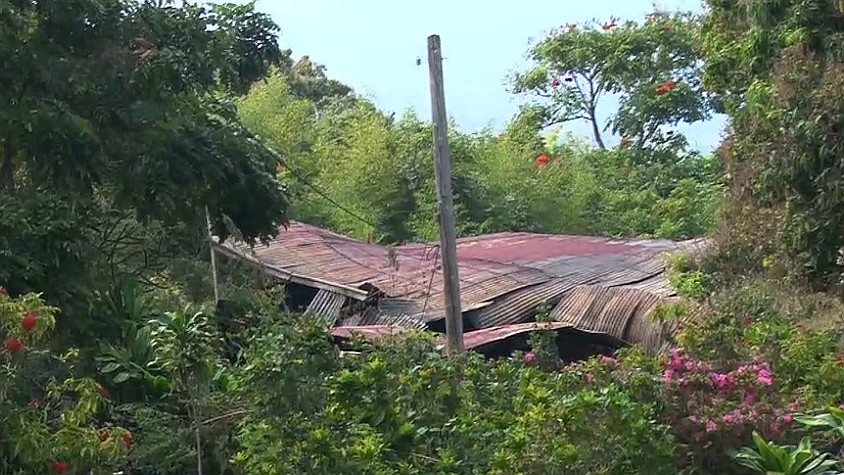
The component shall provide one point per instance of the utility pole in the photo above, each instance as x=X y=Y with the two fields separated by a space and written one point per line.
x=442 y=170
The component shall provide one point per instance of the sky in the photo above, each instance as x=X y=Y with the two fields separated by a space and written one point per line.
x=372 y=45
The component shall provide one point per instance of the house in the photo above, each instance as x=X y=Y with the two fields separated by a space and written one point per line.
x=603 y=287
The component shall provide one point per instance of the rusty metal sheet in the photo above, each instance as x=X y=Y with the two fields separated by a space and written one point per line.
x=623 y=313
x=326 y=306
x=520 y=306
x=478 y=338
x=374 y=317
x=503 y=276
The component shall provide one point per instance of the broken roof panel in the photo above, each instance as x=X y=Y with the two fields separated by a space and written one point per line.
x=504 y=277
x=489 y=266
x=623 y=313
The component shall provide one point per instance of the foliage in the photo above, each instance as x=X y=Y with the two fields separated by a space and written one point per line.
x=770 y=458
x=403 y=406
x=131 y=91
x=713 y=411
x=357 y=171
x=686 y=277
x=652 y=68
x=776 y=69
x=50 y=417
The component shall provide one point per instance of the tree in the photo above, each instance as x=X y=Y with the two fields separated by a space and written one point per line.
x=776 y=67
x=186 y=348
x=308 y=80
x=127 y=101
x=652 y=68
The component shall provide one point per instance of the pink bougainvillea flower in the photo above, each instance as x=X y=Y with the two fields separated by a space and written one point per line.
x=720 y=380
x=749 y=398
x=529 y=357
x=711 y=426
x=765 y=377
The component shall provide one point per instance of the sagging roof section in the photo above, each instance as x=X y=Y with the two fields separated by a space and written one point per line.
x=593 y=284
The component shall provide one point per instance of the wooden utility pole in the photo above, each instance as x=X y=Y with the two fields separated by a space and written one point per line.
x=442 y=169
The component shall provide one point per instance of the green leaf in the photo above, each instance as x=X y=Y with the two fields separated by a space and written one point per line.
x=110 y=367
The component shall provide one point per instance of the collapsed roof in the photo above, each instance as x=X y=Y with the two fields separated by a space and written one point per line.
x=589 y=284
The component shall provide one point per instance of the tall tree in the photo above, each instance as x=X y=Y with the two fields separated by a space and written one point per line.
x=128 y=100
x=651 y=67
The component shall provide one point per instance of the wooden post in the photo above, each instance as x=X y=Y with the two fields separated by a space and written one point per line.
x=442 y=169
x=213 y=257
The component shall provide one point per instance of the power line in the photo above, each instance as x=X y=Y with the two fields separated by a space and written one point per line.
x=297 y=175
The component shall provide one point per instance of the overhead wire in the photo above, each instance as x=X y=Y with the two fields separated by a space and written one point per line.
x=300 y=177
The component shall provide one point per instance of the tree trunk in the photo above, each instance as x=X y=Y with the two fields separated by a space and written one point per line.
x=596 y=131
x=197 y=423
x=7 y=167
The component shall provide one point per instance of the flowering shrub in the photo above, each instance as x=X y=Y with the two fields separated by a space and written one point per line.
x=48 y=417
x=715 y=410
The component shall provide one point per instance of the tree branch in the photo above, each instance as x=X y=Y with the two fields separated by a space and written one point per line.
x=591 y=105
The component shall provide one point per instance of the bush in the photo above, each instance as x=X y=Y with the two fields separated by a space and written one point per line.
x=404 y=407
x=49 y=418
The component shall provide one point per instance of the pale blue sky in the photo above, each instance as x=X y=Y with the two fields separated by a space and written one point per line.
x=372 y=45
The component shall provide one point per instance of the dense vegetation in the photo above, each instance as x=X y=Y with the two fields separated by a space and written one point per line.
x=128 y=125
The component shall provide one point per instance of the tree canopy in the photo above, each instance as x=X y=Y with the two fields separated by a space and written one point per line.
x=129 y=101
x=651 y=67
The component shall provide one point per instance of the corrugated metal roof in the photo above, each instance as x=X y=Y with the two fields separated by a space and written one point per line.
x=620 y=312
x=489 y=266
x=593 y=284
x=474 y=340
x=326 y=305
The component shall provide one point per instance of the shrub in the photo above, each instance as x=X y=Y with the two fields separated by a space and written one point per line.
x=49 y=419
x=404 y=407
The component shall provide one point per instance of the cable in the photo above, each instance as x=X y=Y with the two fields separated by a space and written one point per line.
x=310 y=185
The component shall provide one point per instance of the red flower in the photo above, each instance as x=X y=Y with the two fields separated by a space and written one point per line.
x=665 y=87
x=542 y=160
x=3 y=291
x=13 y=345
x=127 y=439
x=555 y=82
x=29 y=320
x=59 y=466
x=609 y=26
